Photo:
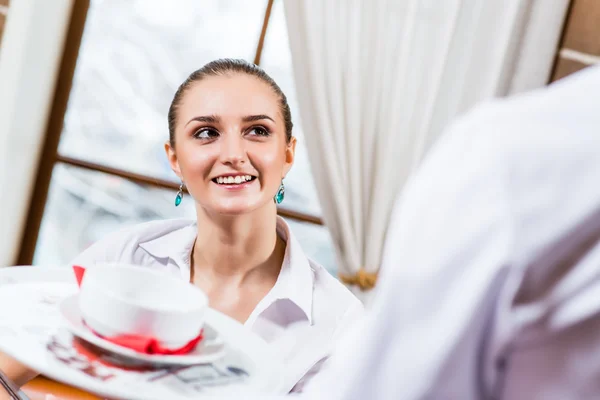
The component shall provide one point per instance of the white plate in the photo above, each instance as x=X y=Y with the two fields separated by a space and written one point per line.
x=210 y=349
x=33 y=331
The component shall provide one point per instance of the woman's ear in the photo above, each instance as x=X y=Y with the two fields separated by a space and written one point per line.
x=290 y=155
x=172 y=157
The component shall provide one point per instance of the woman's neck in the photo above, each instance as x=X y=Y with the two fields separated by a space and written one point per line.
x=237 y=249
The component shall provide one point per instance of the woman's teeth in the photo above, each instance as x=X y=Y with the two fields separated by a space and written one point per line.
x=230 y=180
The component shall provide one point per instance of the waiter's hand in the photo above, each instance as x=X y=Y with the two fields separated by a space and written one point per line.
x=15 y=371
x=4 y=394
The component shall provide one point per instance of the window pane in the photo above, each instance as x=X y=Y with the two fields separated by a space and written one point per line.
x=276 y=60
x=134 y=55
x=84 y=206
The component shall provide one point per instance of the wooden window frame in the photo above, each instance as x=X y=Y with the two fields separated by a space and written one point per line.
x=50 y=156
x=571 y=57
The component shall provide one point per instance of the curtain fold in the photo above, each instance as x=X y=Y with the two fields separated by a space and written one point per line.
x=30 y=58
x=377 y=80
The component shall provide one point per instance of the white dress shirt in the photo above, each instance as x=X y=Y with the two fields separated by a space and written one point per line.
x=490 y=284
x=302 y=316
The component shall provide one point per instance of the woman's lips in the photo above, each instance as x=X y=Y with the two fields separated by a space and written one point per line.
x=234 y=183
x=233 y=179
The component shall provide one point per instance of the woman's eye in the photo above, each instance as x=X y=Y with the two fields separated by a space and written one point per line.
x=206 y=133
x=258 y=131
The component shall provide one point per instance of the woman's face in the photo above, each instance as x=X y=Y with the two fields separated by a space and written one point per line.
x=230 y=145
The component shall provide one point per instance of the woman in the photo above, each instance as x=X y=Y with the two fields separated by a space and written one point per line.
x=231 y=144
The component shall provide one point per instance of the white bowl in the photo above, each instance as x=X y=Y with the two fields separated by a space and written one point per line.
x=116 y=299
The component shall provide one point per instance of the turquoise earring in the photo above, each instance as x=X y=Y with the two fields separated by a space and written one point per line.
x=179 y=196
x=280 y=194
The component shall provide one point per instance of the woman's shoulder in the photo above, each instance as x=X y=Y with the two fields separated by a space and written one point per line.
x=122 y=244
x=146 y=231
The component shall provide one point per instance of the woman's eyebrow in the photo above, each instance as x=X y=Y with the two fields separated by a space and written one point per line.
x=213 y=119
x=251 y=118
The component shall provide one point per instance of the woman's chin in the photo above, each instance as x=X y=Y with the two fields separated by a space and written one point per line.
x=234 y=211
x=233 y=208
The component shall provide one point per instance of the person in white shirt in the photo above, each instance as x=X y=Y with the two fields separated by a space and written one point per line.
x=490 y=284
x=231 y=144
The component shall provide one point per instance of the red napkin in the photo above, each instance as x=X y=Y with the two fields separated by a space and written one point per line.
x=141 y=344
x=148 y=345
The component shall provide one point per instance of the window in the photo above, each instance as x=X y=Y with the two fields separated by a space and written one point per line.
x=112 y=170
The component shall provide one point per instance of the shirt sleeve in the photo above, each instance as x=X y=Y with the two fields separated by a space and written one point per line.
x=114 y=247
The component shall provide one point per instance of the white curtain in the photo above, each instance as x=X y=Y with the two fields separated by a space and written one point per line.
x=30 y=57
x=377 y=80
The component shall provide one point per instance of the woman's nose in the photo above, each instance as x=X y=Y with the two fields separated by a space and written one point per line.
x=232 y=150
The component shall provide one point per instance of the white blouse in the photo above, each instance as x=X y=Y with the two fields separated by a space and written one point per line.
x=303 y=315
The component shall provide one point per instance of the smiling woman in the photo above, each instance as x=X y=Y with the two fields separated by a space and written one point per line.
x=231 y=144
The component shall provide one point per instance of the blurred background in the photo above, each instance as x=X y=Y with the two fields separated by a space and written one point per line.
x=86 y=85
